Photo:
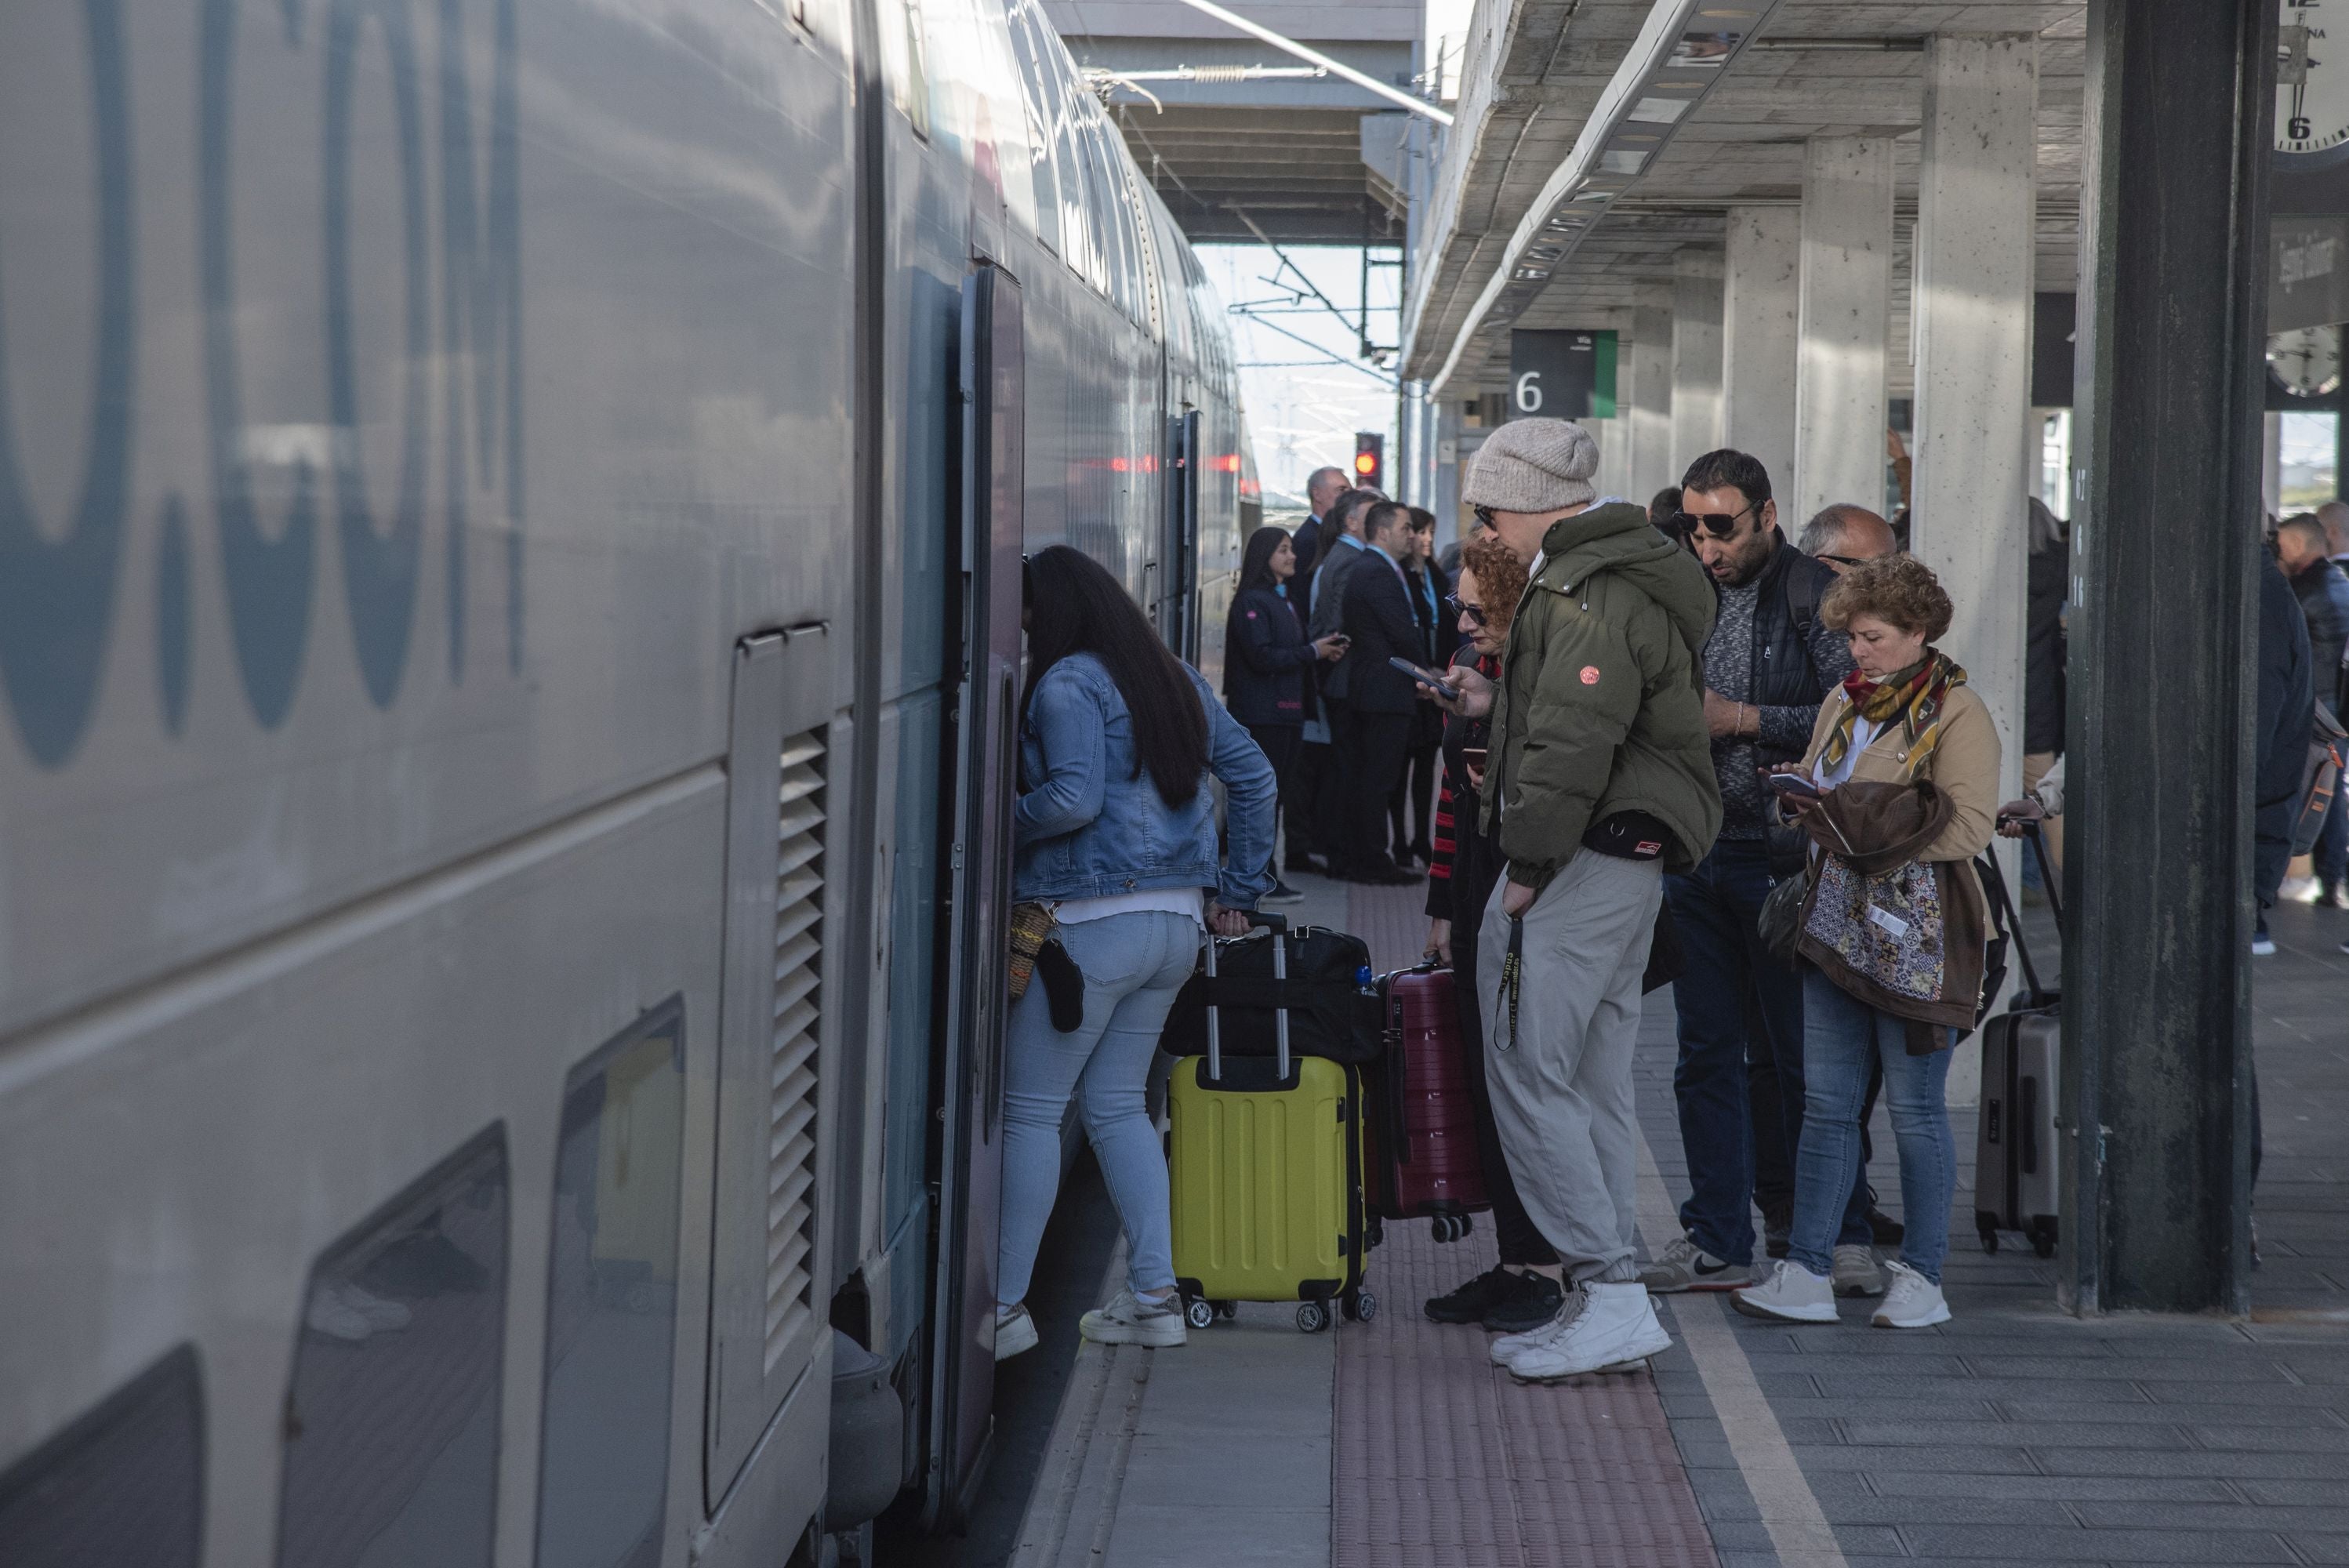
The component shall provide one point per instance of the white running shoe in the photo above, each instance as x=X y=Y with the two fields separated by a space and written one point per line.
x=1684 y=1266
x=1509 y=1345
x=1128 y=1320
x=1015 y=1331
x=1792 y=1292
x=1913 y=1302
x=1616 y=1330
x=1855 y=1272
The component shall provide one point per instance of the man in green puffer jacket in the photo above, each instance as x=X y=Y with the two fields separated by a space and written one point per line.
x=1601 y=776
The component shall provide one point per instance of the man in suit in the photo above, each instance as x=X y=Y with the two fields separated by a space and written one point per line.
x=1378 y=617
x=1326 y=486
x=1322 y=792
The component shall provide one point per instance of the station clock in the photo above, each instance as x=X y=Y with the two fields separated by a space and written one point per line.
x=2307 y=361
x=2311 y=121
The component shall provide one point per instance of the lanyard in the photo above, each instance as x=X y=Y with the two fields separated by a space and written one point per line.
x=1513 y=969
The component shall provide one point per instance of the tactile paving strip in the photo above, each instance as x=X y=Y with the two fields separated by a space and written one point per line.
x=1440 y=1458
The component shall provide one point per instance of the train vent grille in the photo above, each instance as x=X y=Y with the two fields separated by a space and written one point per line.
x=799 y=999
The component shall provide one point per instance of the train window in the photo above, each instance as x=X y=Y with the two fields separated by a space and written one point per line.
x=1095 y=208
x=611 y=1301
x=1039 y=100
x=125 y=1483
x=391 y=1418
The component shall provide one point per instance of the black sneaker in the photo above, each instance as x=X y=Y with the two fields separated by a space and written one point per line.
x=1471 y=1301
x=1532 y=1300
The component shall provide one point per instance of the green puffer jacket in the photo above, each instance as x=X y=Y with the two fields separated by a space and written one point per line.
x=1600 y=704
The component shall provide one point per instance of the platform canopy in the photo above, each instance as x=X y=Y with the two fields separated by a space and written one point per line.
x=1681 y=113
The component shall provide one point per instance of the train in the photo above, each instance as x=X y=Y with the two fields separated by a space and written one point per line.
x=512 y=516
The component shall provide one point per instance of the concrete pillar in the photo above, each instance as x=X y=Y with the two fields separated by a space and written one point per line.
x=1845 y=312
x=1646 y=403
x=1971 y=486
x=2178 y=133
x=1759 y=303
x=2271 y=465
x=1696 y=357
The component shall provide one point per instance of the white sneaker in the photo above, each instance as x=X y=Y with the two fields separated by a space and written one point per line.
x=2298 y=890
x=1616 y=1330
x=1913 y=1302
x=1128 y=1320
x=2263 y=947
x=1508 y=1347
x=1855 y=1272
x=1792 y=1292
x=1015 y=1331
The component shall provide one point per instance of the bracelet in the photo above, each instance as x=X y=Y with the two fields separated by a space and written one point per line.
x=1741 y=719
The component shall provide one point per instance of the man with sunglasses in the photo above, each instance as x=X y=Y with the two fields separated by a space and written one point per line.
x=1598 y=782
x=1768 y=665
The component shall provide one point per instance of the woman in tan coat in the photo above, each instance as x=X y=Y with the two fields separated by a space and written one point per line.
x=1909 y=933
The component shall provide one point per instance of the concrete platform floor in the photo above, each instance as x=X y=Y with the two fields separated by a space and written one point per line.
x=2013 y=1435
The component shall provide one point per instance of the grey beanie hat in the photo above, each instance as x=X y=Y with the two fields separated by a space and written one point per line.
x=1533 y=465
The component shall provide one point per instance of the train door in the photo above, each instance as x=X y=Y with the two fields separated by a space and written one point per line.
x=985 y=710
x=1182 y=524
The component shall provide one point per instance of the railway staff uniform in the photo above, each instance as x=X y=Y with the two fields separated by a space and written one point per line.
x=1122 y=870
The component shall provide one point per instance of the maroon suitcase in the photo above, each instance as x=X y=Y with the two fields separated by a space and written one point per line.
x=1424 y=1155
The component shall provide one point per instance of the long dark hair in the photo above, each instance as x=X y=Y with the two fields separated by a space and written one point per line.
x=1075 y=606
x=1256 y=565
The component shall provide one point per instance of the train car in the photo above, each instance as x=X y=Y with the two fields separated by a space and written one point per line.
x=510 y=518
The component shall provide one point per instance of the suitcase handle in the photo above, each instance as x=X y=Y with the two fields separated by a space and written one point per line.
x=1279 y=928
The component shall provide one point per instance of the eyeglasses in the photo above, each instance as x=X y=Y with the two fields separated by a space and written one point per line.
x=1484 y=515
x=1719 y=525
x=1460 y=607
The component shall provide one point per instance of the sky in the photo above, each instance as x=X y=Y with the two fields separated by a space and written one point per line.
x=1306 y=400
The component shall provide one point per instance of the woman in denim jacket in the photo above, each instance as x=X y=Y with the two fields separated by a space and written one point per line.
x=1115 y=832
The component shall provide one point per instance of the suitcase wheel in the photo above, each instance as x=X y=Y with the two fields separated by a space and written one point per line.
x=1989 y=1235
x=2043 y=1239
x=1227 y=1310
x=1199 y=1312
x=1313 y=1316
x=1359 y=1306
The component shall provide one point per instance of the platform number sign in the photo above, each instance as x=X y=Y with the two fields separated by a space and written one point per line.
x=2312 y=123
x=1561 y=375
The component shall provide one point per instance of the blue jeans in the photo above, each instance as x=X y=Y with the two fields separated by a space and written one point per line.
x=2332 y=850
x=1133 y=964
x=1842 y=1037
x=1740 y=1010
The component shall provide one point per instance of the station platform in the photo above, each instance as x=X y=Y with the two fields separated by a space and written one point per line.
x=2014 y=1434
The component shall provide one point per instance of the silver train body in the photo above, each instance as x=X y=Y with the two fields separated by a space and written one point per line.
x=509 y=521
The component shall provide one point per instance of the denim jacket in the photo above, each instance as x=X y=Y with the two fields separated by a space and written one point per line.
x=1090 y=824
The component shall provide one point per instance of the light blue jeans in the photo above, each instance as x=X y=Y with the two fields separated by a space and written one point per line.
x=1133 y=964
x=1841 y=1036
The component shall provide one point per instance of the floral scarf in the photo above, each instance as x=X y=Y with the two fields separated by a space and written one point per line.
x=1915 y=695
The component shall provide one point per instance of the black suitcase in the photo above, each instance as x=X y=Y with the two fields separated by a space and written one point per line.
x=2016 y=1147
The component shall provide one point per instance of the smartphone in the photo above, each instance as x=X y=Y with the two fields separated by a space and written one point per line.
x=1472 y=756
x=1425 y=678
x=1796 y=784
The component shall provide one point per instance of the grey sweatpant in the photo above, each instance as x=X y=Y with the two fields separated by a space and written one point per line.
x=1562 y=1089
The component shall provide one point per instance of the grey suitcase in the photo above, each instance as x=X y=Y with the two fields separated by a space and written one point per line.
x=2016 y=1145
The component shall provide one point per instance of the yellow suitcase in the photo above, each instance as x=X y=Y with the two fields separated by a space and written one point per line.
x=1266 y=1161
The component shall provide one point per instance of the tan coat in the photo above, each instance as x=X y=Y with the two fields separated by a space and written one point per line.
x=1963 y=766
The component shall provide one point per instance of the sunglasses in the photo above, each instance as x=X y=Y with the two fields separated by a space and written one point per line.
x=1459 y=607
x=1718 y=524
x=1842 y=560
x=1484 y=515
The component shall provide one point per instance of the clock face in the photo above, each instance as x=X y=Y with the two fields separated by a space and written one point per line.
x=2311 y=121
x=2308 y=361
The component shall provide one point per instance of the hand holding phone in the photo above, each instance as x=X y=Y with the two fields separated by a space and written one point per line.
x=1427 y=679
x=1795 y=786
